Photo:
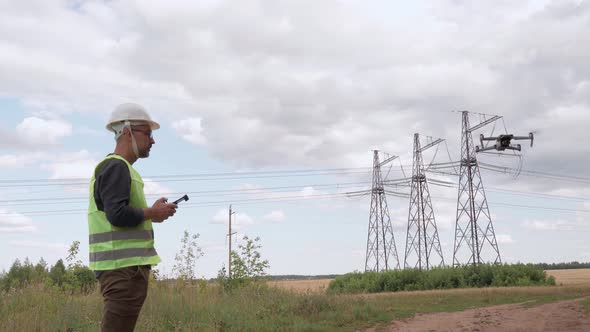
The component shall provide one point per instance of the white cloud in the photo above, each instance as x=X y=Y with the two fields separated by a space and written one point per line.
x=242 y=219
x=239 y=220
x=34 y=130
x=274 y=216
x=221 y=217
x=190 y=130
x=250 y=188
x=308 y=192
x=259 y=192
x=151 y=187
x=504 y=238
x=246 y=86
x=22 y=160
x=548 y=225
x=13 y=222
x=58 y=247
x=76 y=165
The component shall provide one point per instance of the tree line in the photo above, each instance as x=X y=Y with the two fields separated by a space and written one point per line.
x=563 y=266
x=72 y=275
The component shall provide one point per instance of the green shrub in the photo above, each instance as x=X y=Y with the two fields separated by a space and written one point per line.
x=441 y=278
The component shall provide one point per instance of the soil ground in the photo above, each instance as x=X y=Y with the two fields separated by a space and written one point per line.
x=569 y=315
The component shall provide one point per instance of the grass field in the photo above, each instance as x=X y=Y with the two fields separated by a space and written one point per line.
x=286 y=305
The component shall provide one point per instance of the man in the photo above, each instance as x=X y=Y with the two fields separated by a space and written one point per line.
x=120 y=222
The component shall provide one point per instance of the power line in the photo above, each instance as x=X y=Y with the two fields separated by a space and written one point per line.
x=195 y=204
x=222 y=192
x=434 y=168
x=187 y=179
x=288 y=199
x=266 y=190
x=201 y=175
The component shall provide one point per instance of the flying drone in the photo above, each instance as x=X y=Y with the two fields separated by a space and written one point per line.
x=503 y=142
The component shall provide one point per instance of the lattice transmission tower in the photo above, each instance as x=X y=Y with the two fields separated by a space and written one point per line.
x=423 y=249
x=381 y=249
x=475 y=240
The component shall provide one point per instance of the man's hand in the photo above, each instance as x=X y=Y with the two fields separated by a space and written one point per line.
x=160 y=211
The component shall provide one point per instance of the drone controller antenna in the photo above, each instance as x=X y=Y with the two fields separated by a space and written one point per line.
x=183 y=198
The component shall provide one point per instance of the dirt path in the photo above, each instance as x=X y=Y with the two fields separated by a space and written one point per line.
x=566 y=315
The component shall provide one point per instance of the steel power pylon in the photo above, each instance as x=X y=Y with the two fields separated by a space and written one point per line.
x=422 y=237
x=381 y=249
x=475 y=240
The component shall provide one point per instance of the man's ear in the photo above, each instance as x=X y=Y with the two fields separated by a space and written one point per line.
x=125 y=135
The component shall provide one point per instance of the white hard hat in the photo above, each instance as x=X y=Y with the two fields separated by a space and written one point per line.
x=133 y=114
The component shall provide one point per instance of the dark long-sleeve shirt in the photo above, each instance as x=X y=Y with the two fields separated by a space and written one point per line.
x=112 y=190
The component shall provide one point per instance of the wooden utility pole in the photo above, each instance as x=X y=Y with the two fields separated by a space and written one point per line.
x=229 y=234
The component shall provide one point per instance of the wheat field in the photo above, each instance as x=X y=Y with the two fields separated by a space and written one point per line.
x=302 y=286
x=571 y=277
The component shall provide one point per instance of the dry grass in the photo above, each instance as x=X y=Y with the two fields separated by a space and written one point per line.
x=302 y=286
x=571 y=277
x=254 y=308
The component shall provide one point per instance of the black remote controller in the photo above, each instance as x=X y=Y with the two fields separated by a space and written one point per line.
x=183 y=198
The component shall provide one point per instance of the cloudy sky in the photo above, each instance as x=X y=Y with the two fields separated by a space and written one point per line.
x=249 y=91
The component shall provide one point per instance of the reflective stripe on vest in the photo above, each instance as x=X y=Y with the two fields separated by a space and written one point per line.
x=143 y=234
x=113 y=247
x=121 y=253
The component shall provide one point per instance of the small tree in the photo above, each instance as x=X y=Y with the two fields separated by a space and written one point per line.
x=41 y=269
x=248 y=264
x=72 y=258
x=79 y=276
x=57 y=273
x=15 y=277
x=84 y=279
x=186 y=258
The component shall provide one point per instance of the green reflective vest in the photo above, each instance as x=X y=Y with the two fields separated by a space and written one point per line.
x=114 y=247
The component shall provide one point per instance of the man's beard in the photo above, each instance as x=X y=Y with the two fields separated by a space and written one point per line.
x=144 y=154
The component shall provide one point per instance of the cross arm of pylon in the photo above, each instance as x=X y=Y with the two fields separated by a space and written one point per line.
x=442 y=172
x=397 y=194
x=396 y=181
x=358 y=193
x=387 y=160
x=431 y=144
x=484 y=123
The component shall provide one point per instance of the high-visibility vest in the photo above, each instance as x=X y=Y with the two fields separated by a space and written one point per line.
x=113 y=247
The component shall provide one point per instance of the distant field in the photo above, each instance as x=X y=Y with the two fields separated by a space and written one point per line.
x=571 y=277
x=562 y=277
x=302 y=286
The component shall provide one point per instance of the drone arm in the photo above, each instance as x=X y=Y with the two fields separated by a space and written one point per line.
x=530 y=136
x=478 y=149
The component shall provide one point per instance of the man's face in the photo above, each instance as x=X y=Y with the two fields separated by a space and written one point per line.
x=144 y=139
